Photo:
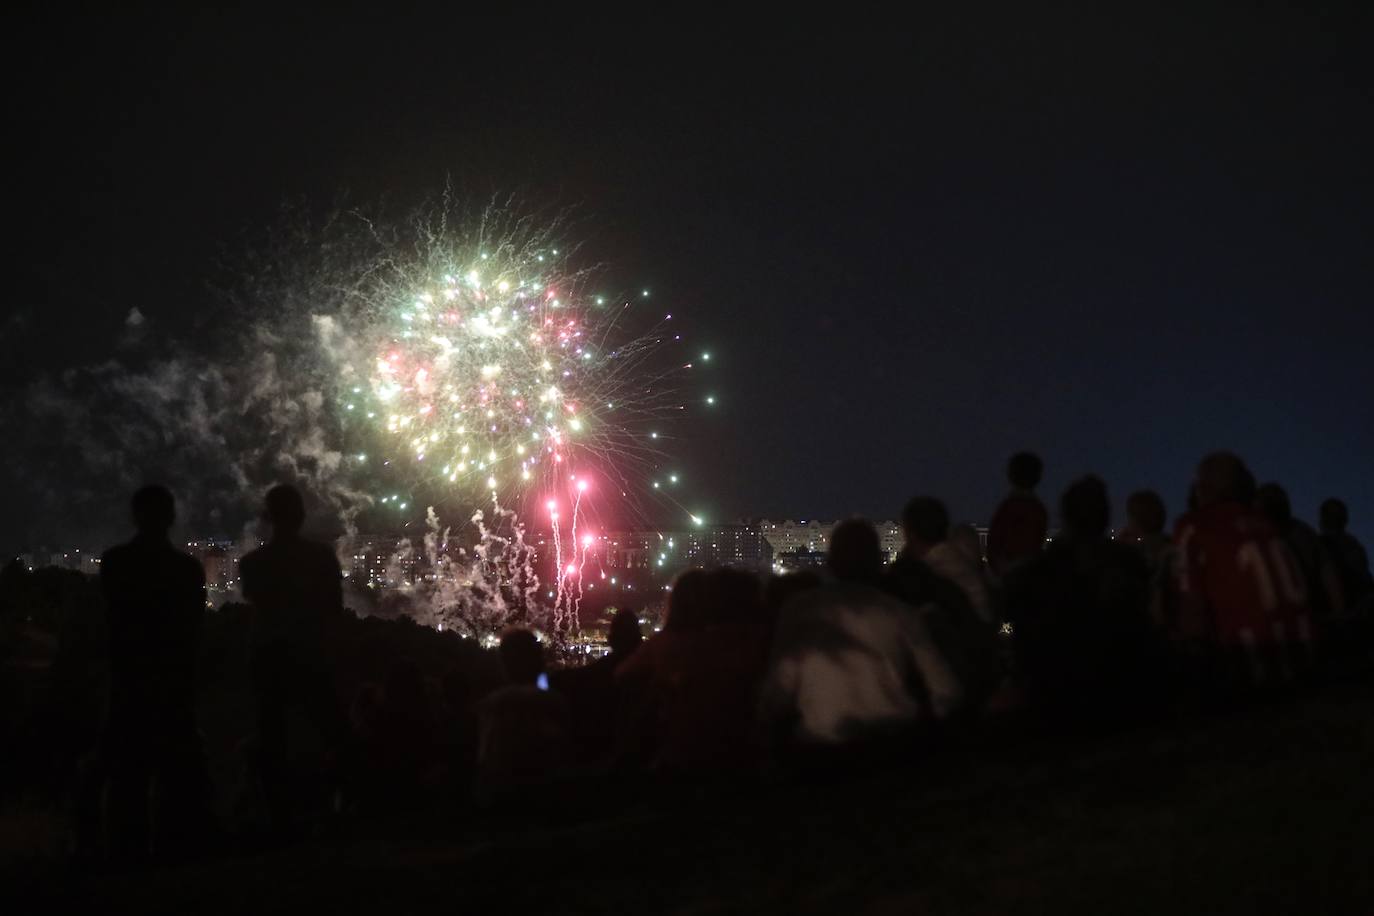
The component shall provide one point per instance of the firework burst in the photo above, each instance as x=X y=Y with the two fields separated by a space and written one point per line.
x=479 y=366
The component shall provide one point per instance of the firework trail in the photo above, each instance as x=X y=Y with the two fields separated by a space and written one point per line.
x=587 y=541
x=573 y=603
x=559 y=577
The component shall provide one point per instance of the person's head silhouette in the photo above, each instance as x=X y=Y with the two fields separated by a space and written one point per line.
x=1024 y=470
x=1272 y=502
x=689 y=602
x=734 y=596
x=624 y=636
x=1223 y=477
x=925 y=523
x=1146 y=513
x=856 y=553
x=1334 y=516
x=521 y=656
x=1085 y=509
x=284 y=510
x=154 y=511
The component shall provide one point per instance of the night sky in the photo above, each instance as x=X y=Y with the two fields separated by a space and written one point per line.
x=1120 y=242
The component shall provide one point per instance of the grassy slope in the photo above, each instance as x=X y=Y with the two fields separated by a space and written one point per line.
x=1266 y=811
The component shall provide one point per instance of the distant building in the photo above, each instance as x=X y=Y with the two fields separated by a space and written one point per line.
x=219 y=559
x=728 y=545
x=634 y=549
x=789 y=537
x=706 y=547
x=73 y=558
x=890 y=536
x=382 y=563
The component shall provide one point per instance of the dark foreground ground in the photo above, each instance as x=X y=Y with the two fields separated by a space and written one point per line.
x=1269 y=810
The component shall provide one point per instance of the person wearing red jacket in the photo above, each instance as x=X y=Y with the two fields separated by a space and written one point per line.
x=1243 y=595
x=1021 y=523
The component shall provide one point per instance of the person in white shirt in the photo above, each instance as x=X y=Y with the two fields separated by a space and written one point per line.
x=925 y=524
x=850 y=661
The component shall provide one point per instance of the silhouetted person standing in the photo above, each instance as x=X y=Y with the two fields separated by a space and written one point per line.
x=1348 y=554
x=1325 y=596
x=1020 y=525
x=1146 y=518
x=155 y=604
x=294 y=586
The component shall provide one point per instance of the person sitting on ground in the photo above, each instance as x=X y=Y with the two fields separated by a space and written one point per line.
x=407 y=733
x=925 y=526
x=964 y=538
x=1348 y=555
x=646 y=677
x=1324 y=594
x=1080 y=615
x=1243 y=601
x=364 y=713
x=933 y=574
x=735 y=598
x=591 y=689
x=1146 y=518
x=458 y=729
x=155 y=607
x=780 y=589
x=849 y=661
x=523 y=728
x=1020 y=525
x=697 y=680
x=623 y=638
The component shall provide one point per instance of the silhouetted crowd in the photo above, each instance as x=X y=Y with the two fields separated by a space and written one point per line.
x=805 y=672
